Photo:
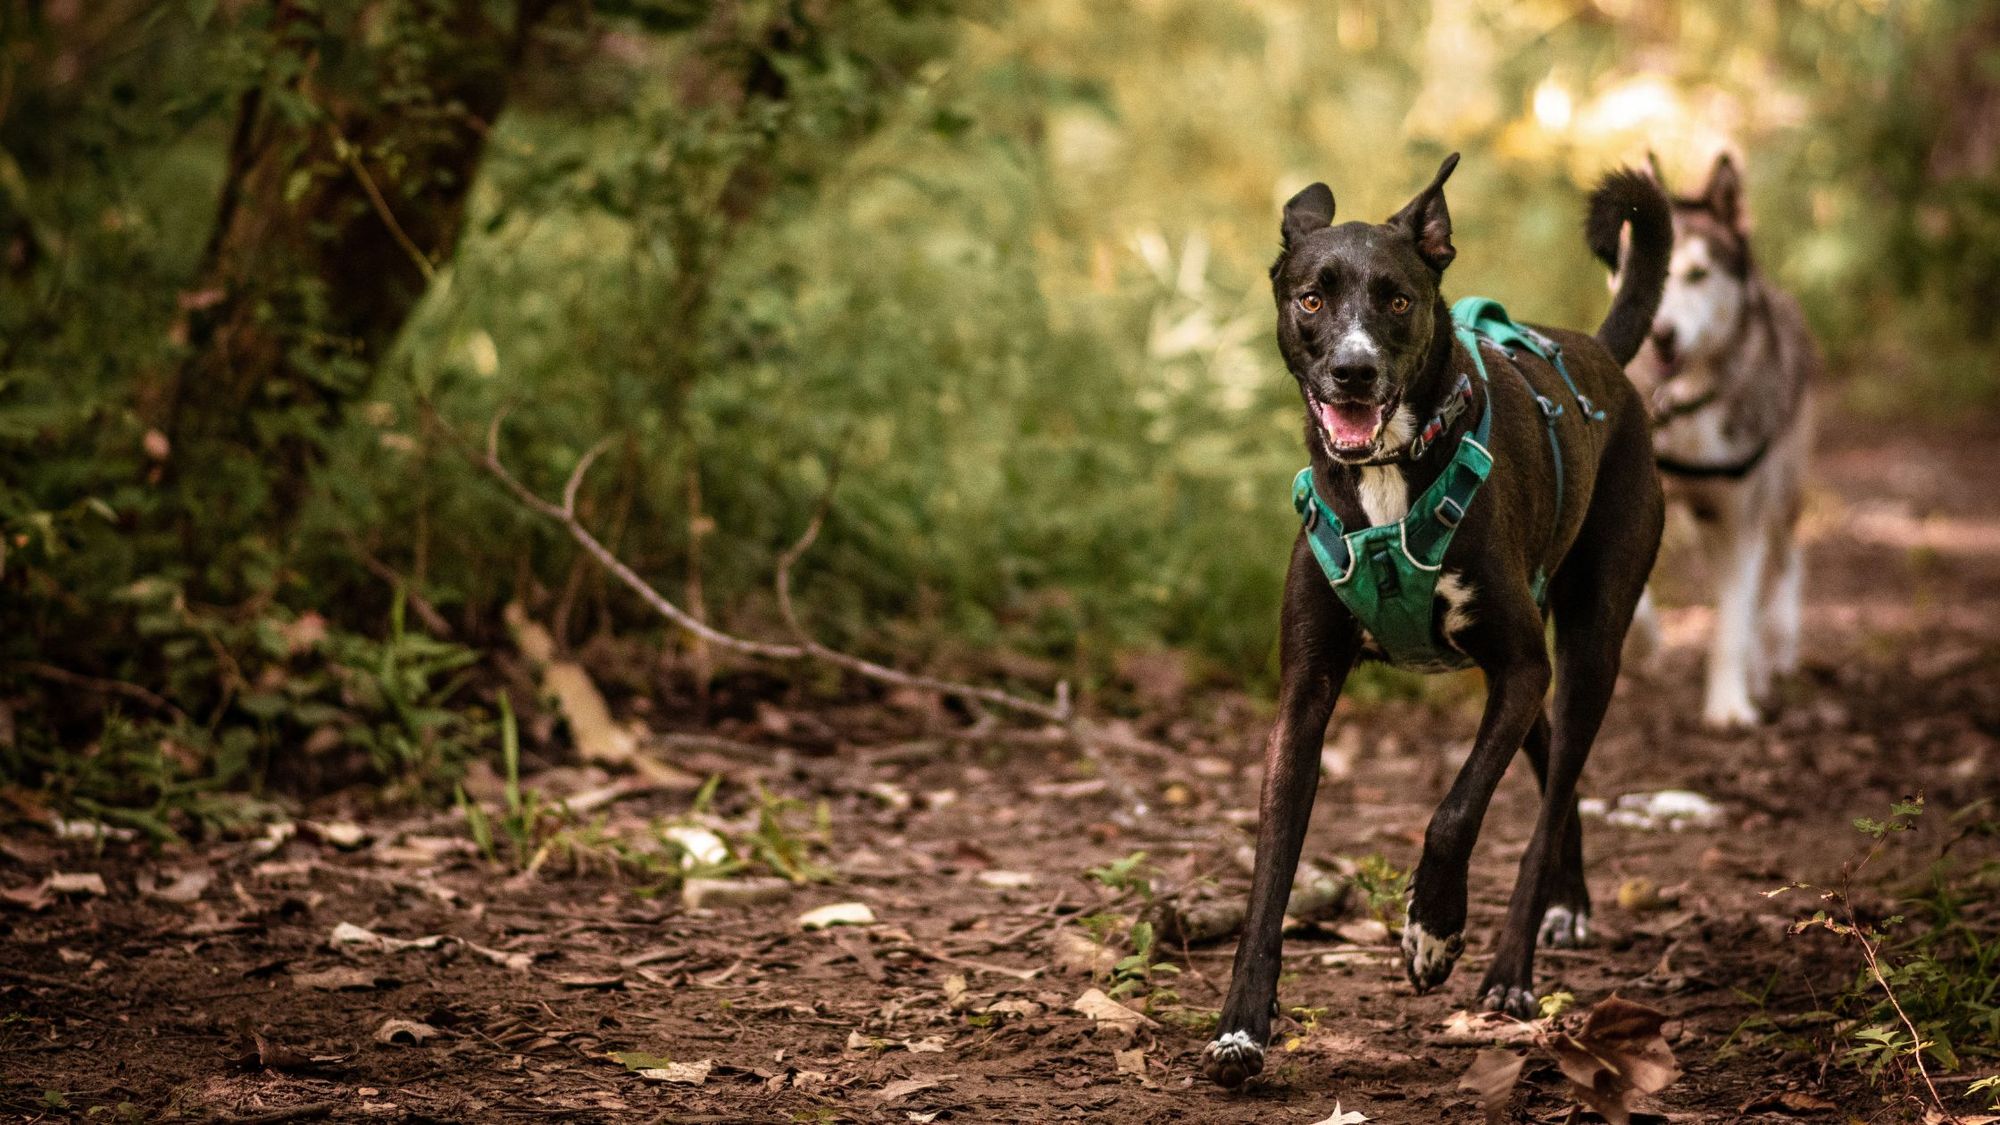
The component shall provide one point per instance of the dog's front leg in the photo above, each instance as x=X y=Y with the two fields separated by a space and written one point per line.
x=1318 y=645
x=1737 y=648
x=1517 y=677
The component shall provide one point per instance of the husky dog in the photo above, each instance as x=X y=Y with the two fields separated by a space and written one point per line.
x=1728 y=369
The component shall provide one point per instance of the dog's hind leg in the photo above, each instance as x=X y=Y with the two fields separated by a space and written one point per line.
x=1512 y=653
x=1318 y=644
x=1592 y=597
x=1782 y=609
x=1646 y=642
x=1566 y=918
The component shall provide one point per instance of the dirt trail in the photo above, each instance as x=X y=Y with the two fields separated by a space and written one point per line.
x=237 y=1002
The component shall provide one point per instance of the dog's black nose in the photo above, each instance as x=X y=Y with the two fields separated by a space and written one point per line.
x=1663 y=341
x=1354 y=376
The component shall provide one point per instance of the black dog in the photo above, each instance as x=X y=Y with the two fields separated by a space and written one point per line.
x=1572 y=495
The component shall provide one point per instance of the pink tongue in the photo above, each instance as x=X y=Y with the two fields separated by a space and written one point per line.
x=1350 y=424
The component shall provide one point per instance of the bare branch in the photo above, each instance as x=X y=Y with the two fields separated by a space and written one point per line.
x=1089 y=737
x=104 y=687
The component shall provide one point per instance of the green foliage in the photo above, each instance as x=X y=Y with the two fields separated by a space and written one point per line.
x=1384 y=887
x=1930 y=982
x=527 y=823
x=1127 y=874
x=1008 y=262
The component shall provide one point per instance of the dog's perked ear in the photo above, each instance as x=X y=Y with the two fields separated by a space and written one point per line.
x=1428 y=220
x=1306 y=212
x=1724 y=194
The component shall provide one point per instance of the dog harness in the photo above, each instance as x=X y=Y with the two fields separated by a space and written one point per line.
x=1387 y=575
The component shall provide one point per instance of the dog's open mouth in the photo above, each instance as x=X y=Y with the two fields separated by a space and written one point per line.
x=1350 y=426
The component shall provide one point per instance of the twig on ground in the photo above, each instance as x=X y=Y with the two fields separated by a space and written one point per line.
x=419 y=605
x=311 y=1111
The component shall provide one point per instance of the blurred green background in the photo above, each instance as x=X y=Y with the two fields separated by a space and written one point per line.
x=1005 y=261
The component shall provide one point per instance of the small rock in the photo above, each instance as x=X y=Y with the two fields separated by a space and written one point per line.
x=837 y=914
x=698 y=846
x=74 y=883
x=710 y=894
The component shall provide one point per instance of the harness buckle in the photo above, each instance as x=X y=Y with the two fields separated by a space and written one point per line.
x=1550 y=410
x=1386 y=578
x=1449 y=512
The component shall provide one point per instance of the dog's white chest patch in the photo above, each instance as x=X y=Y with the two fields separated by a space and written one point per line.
x=1385 y=491
x=1456 y=594
x=1385 y=495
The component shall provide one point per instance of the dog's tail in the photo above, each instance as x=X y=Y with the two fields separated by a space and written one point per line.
x=1622 y=197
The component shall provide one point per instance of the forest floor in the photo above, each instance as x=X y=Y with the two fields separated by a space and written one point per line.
x=226 y=980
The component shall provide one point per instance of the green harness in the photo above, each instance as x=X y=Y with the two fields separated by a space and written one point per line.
x=1387 y=575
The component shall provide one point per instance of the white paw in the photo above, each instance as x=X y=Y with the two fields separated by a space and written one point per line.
x=1231 y=1059
x=1563 y=928
x=1427 y=957
x=1731 y=711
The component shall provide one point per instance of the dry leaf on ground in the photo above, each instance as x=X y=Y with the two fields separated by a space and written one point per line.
x=1491 y=1078
x=405 y=1032
x=1618 y=1055
x=680 y=1074
x=1342 y=1117
x=1103 y=1009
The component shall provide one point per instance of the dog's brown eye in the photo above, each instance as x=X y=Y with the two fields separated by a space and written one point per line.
x=1310 y=302
x=1399 y=304
x=1696 y=275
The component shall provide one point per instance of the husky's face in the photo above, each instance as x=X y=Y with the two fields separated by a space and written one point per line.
x=1707 y=280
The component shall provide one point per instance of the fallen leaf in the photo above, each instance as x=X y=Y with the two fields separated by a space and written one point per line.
x=642 y=1060
x=35 y=897
x=337 y=980
x=586 y=981
x=1618 y=1054
x=74 y=883
x=349 y=934
x=904 y=1087
x=708 y=894
x=1491 y=1078
x=512 y=961
x=1340 y=1117
x=931 y=1046
x=405 y=1032
x=1104 y=1010
x=837 y=914
x=698 y=847
x=180 y=887
x=88 y=830
x=1487 y=1027
x=680 y=1074
x=342 y=834
x=1008 y=879
x=1074 y=953
x=1131 y=1061
x=1788 y=1101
